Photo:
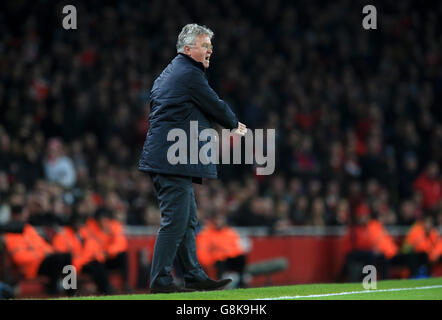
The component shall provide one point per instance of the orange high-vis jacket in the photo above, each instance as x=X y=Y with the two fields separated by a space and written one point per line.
x=111 y=237
x=83 y=250
x=217 y=245
x=116 y=240
x=27 y=249
x=357 y=238
x=372 y=236
x=436 y=252
x=419 y=240
x=381 y=240
x=91 y=230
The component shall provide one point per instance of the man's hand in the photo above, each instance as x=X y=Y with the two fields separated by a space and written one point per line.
x=241 y=130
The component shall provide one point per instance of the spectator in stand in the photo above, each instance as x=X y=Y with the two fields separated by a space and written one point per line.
x=408 y=213
x=257 y=212
x=342 y=214
x=58 y=167
x=4 y=193
x=300 y=211
x=382 y=211
x=46 y=210
x=430 y=185
x=408 y=175
x=317 y=215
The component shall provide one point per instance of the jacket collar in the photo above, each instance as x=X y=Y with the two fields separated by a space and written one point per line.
x=195 y=63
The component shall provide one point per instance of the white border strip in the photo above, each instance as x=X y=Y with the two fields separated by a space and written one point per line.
x=350 y=292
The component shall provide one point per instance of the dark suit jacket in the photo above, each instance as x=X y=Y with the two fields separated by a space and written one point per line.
x=179 y=95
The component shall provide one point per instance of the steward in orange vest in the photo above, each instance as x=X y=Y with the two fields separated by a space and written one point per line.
x=380 y=239
x=33 y=255
x=109 y=233
x=370 y=235
x=28 y=250
x=220 y=246
x=436 y=254
x=367 y=243
x=87 y=254
x=422 y=238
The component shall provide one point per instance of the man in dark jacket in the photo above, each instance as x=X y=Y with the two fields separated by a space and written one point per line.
x=181 y=95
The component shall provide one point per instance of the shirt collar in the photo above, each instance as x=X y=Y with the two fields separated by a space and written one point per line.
x=195 y=63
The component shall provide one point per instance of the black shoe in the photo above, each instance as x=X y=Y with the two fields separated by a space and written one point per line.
x=170 y=289
x=208 y=285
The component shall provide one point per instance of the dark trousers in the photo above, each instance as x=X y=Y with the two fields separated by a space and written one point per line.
x=355 y=262
x=176 y=236
x=357 y=259
x=100 y=276
x=52 y=267
x=413 y=260
x=236 y=264
x=119 y=263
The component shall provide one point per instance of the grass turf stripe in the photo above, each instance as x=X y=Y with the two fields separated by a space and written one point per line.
x=350 y=292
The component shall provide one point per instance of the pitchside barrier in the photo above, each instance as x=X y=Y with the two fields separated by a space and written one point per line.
x=311 y=254
x=294 y=256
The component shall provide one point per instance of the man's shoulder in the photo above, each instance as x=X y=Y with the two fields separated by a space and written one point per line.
x=188 y=61
x=184 y=65
x=179 y=74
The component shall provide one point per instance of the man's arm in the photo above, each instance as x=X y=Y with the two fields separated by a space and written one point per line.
x=205 y=97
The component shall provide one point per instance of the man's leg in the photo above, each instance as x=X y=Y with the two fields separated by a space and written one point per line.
x=236 y=264
x=52 y=267
x=173 y=194
x=99 y=273
x=119 y=263
x=186 y=255
x=418 y=262
x=194 y=275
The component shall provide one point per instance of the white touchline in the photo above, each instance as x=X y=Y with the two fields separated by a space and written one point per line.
x=350 y=292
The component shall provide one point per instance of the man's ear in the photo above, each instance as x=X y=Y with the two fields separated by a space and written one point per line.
x=187 y=50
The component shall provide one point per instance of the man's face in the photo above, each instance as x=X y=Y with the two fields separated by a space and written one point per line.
x=201 y=51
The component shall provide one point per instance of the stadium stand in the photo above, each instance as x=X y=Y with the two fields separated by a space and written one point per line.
x=357 y=113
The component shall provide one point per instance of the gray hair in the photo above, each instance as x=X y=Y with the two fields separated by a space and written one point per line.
x=189 y=33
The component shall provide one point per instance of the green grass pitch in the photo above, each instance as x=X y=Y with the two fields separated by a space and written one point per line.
x=419 y=289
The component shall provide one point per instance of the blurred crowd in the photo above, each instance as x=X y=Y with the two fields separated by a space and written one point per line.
x=357 y=113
